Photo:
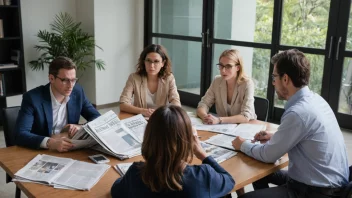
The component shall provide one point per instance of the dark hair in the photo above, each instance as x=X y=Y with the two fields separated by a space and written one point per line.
x=61 y=62
x=164 y=71
x=293 y=63
x=167 y=144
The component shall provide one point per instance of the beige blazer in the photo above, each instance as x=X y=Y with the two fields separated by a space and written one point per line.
x=136 y=89
x=242 y=99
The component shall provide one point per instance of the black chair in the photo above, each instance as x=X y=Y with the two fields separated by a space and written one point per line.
x=9 y=116
x=261 y=106
x=347 y=192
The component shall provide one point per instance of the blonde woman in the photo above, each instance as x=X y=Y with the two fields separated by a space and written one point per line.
x=152 y=85
x=232 y=92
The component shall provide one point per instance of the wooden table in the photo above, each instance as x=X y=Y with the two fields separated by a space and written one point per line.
x=244 y=169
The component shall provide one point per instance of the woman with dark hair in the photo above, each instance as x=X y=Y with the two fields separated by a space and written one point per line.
x=168 y=146
x=152 y=85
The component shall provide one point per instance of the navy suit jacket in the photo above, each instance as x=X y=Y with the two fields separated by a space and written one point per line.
x=206 y=180
x=35 y=118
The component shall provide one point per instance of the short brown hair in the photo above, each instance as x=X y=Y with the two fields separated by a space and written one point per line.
x=164 y=71
x=236 y=57
x=168 y=141
x=61 y=62
x=293 y=63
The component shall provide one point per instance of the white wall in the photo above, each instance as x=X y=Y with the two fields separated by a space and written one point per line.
x=37 y=15
x=85 y=15
x=119 y=31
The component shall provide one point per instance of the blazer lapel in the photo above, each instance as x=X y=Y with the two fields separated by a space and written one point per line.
x=235 y=94
x=143 y=94
x=223 y=94
x=159 y=93
x=48 y=110
x=71 y=109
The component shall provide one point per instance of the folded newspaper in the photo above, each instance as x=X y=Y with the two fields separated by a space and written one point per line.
x=110 y=135
x=61 y=172
x=122 y=168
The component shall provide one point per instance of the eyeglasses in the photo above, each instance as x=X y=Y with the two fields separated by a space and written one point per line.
x=66 y=81
x=273 y=76
x=156 y=62
x=227 y=67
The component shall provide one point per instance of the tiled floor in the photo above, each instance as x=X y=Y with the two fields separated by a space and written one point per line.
x=8 y=190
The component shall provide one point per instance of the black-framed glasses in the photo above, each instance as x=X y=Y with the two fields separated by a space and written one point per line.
x=227 y=67
x=273 y=76
x=66 y=81
x=156 y=62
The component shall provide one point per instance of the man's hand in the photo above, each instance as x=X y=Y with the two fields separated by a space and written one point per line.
x=71 y=129
x=237 y=143
x=262 y=136
x=210 y=119
x=60 y=144
x=147 y=112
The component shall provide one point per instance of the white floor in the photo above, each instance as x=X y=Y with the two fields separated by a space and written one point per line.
x=8 y=190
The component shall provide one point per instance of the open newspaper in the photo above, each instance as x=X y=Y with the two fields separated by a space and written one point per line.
x=61 y=172
x=221 y=140
x=110 y=135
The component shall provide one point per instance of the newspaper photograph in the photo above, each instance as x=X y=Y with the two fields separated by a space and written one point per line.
x=218 y=153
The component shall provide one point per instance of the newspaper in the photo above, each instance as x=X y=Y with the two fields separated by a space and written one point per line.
x=218 y=153
x=245 y=130
x=61 y=172
x=195 y=120
x=119 y=138
x=221 y=140
x=122 y=168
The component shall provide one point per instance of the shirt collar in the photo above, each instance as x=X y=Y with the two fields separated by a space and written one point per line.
x=299 y=94
x=53 y=99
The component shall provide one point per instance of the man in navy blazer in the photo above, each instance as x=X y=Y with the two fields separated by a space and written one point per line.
x=47 y=109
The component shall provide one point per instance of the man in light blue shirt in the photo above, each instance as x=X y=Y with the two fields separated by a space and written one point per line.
x=308 y=132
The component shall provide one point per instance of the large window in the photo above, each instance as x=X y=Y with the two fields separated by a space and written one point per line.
x=195 y=32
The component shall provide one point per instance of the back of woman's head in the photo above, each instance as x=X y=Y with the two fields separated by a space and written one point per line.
x=167 y=146
x=235 y=56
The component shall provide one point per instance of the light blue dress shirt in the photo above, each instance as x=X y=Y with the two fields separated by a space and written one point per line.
x=311 y=136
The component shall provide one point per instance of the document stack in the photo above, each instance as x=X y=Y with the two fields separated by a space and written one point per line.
x=119 y=138
x=61 y=172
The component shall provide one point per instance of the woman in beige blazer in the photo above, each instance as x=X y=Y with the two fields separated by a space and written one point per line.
x=232 y=92
x=152 y=85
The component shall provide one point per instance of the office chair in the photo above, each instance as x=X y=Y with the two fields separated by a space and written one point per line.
x=261 y=106
x=9 y=115
x=347 y=192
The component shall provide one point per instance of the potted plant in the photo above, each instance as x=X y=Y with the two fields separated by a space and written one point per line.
x=66 y=39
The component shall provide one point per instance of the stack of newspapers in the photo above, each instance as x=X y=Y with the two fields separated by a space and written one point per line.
x=218 y=153
x=61 y=172
x=110 y=135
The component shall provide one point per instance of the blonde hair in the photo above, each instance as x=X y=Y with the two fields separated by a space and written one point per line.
x=236 y=57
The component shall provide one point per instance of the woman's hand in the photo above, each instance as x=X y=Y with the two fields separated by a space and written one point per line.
x=210 y=119
x=147 y=112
